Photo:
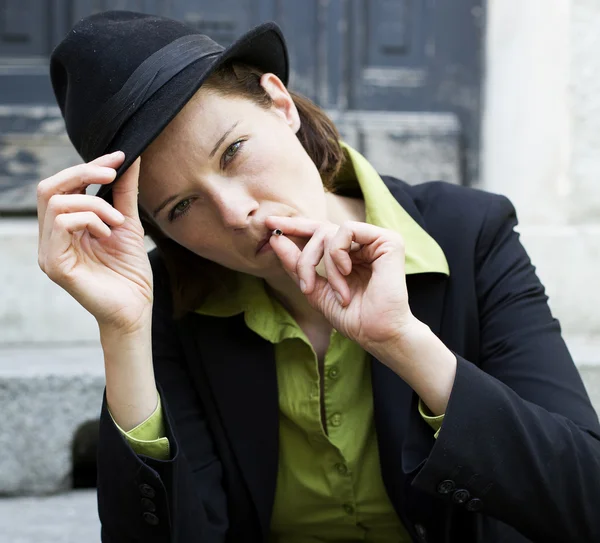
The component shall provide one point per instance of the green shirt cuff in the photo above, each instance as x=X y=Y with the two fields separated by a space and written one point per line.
x=148 y=437
x=434 y=422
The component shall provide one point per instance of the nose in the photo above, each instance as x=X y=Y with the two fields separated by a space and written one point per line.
x=235 y=206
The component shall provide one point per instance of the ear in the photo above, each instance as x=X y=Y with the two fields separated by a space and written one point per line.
x=283 y=103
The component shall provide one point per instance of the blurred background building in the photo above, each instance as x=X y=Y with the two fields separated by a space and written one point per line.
x=501 y=95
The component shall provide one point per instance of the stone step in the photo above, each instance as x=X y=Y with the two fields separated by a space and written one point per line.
x=46 y=395
x=50 y=397
x=65 y=518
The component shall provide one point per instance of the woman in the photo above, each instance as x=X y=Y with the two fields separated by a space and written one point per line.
x=312 y=353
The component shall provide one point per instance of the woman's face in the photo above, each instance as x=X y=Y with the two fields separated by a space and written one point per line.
x=221 y=167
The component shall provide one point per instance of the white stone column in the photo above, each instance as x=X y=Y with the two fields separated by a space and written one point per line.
x=526 y=112
x=541 y=148
x=585 y=112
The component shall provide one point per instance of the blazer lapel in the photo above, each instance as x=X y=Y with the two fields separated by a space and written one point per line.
x=240 y=367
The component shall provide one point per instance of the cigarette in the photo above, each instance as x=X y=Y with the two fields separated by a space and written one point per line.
x=277 y=232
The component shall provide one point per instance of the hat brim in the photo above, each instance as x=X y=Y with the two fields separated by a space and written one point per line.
x=262 y=47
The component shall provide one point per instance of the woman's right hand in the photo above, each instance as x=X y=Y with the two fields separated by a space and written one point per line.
x=105 y=268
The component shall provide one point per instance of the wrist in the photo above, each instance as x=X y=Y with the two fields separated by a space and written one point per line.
x=422 y=360
x=111 y=334
x=130 y=384
x=127 y=347
x=404 y=345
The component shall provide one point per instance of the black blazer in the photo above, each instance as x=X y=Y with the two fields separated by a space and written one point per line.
x=518 y=456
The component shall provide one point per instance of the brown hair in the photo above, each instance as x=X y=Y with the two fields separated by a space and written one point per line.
x=317 y=134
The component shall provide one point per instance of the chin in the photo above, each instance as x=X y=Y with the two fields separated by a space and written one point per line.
x=269 y=268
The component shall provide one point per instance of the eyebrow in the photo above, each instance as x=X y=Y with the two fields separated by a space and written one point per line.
x=218 y=144
x=212 y=154
x=164 y=204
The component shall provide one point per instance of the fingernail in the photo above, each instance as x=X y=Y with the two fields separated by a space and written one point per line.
x=339 y=298
x=118 y=215
x=302 y=286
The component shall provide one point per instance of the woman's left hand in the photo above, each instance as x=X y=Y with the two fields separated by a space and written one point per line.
x=364 y=295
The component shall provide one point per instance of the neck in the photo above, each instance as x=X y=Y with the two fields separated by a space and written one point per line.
x=339 y=210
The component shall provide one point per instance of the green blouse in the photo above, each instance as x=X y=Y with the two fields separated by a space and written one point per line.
x=329 y=485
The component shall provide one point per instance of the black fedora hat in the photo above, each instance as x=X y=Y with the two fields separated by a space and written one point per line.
x=120 y=77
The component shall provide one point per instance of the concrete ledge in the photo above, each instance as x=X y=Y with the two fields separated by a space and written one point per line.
x=66 y=518
x=32 y=308
x=45 y=396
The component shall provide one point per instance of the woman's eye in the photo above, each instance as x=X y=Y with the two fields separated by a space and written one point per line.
x=231 y=151
x=180 y=209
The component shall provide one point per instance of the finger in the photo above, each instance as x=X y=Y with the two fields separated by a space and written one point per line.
x=73 y=180
x=85 y=220
x=309 y=259
x=125 y=191
x=114 y=160
x=71 y=203
x=375 y=242
x=62 y=236
x=288 y=253
x=299 y=226
x=364 y=233
x=76 y=179
x=294 y=226
x=341 y=245
x=335 y=279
